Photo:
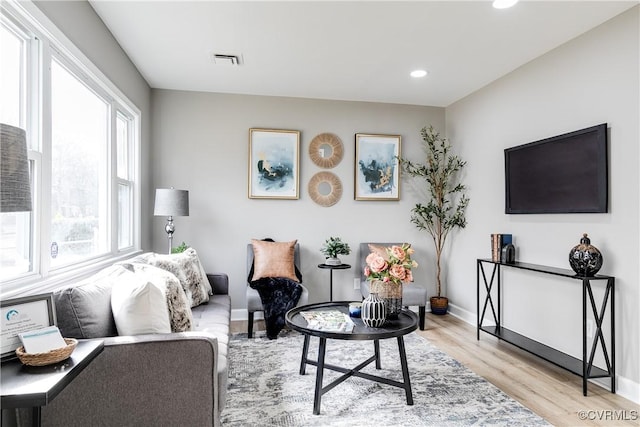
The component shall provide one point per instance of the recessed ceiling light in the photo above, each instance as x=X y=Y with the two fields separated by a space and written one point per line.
x=504 y=4
x=418 y=73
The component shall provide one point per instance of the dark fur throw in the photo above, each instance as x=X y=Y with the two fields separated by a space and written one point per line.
x=278 y=296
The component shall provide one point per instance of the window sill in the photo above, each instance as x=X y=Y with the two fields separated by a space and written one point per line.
x=34 y=284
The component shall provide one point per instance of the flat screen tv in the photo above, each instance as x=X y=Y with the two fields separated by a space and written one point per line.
x=563 y=174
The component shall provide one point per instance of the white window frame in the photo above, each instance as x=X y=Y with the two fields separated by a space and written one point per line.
x=132 y=179
x=52 y=42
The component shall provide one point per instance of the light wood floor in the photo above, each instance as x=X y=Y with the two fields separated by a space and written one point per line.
x=551 y=392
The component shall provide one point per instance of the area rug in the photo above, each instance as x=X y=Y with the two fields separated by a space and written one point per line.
x=265 y=388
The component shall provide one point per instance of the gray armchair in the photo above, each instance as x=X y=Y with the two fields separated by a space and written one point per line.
x=412 y=294
x=254 y=303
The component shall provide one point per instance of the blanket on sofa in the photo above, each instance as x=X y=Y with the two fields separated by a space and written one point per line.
x=278 y=295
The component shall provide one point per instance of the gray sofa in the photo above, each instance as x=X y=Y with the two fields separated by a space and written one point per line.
x=145 y=380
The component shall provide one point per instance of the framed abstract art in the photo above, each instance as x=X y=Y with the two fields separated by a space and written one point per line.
x=274 y=164
x=377 y=172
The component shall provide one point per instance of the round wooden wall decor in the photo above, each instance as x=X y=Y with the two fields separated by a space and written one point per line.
x=325 y=188
x=326 y=150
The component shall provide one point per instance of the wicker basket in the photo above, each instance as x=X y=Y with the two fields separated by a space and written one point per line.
x=48 y=358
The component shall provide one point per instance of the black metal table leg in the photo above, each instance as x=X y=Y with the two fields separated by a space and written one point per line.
x=405 y=371
x=331 y=284
x=488 y=299
x=376 y=349
x=478 y=324
x=37 y=416
x=610 y=285
x=599 y=336
x=319 y=374
x=584 y=337
x=320 y=364
x=305 y=351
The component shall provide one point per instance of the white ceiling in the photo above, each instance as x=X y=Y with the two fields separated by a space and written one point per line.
x=359 y=50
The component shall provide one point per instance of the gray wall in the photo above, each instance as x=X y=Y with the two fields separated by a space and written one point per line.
x=201 y=143
x=590 y=80
x=79 y=22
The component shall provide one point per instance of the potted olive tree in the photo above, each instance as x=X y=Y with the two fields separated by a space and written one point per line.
x=333 y=247
x=444 y=208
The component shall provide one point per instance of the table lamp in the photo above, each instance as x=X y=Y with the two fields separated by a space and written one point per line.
x=171 y=202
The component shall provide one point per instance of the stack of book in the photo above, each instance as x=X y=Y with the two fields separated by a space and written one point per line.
x=499 y=241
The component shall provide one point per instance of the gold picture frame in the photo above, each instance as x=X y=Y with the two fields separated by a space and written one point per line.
x=274 y=164
x=377 y=170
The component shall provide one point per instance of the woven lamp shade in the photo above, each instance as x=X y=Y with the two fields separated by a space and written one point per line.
x=15 y=187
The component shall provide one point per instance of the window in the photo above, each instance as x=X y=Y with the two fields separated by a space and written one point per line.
x=15 y=227
x=83 y=149
x=79 y=153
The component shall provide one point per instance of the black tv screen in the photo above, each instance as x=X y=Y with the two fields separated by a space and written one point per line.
x=563 y=174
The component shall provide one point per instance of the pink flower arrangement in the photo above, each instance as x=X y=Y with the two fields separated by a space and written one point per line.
x=393 y=266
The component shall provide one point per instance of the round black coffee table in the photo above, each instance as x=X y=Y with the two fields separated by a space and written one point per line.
x=406 y=322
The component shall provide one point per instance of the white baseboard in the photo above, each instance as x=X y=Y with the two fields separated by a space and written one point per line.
x=240 y=314
x=627 y=389
x=462 y=314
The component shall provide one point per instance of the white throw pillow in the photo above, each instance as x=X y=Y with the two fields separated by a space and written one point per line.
x=177 y=303
x=139 y=306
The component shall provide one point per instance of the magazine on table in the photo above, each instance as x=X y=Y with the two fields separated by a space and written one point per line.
x=329 y=320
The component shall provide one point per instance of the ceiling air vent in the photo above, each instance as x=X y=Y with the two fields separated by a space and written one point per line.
x=225 y=59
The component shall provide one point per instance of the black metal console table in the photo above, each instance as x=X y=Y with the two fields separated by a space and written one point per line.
x=584 y=367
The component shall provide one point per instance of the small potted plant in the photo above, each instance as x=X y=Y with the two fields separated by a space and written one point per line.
x=333 y=247
x=178 y=250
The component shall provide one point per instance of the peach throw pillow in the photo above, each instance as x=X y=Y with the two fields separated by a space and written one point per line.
x=273 y=259
x=380 y=250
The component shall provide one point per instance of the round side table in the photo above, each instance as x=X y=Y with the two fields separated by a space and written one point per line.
x=331 y=268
